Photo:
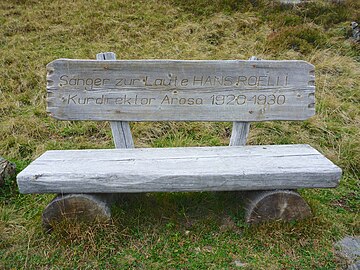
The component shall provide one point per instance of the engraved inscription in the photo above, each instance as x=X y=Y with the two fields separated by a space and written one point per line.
x=181 y=101
x=171 y=99
x=88 y=83
x=205 y=81
x=151 y=90
x=104 y=100
x=243 y=99
x=240 y=81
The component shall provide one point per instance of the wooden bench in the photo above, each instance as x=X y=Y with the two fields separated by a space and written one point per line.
x=87 y=181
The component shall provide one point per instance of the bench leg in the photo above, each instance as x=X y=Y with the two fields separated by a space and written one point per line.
x=83 y=207
x=285 y=205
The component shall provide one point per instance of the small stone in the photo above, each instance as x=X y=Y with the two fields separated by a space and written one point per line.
x=7 y=169
x=239 y=263
x=227 y=224
x=187 y=232
x=349 y=247
x=208 y=249
x=355 y=266
x=355 y=31
x=291 y=1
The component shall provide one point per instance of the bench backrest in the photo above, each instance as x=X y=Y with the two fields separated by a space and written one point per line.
x=180 y=90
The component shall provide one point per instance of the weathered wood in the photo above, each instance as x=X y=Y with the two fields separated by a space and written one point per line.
x=239 y=133
x=120 y=130
x=7 y=169
x=121 y=134
x=179 y=90
x=240 y=130
x=77 y=207
x=269 y=205
x=263 y=206
x=88 y=207
x=179 y=169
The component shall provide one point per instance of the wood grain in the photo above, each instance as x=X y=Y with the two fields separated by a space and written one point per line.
x=120 y=130
x=179 y=169
x=77 y=207
x=239 y=133
x=285 y=205
x=240 y=130
x=266 y=205
x=93 y=206
x=179 y=90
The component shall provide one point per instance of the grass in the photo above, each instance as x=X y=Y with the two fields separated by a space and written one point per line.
x=185 y=230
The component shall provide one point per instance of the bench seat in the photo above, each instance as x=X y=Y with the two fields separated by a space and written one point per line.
x=263 y=167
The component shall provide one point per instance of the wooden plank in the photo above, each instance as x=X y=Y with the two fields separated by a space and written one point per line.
x=92 y=206
x=240 y=130
x=121 y=134
x=179 y=169
x=266 y=205
x=180 y=90
x=120 y=130
x=239 y=133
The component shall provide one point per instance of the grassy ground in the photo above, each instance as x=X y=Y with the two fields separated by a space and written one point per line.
x=185 y=230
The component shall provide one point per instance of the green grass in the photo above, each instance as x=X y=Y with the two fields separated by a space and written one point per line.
x=182 y=230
